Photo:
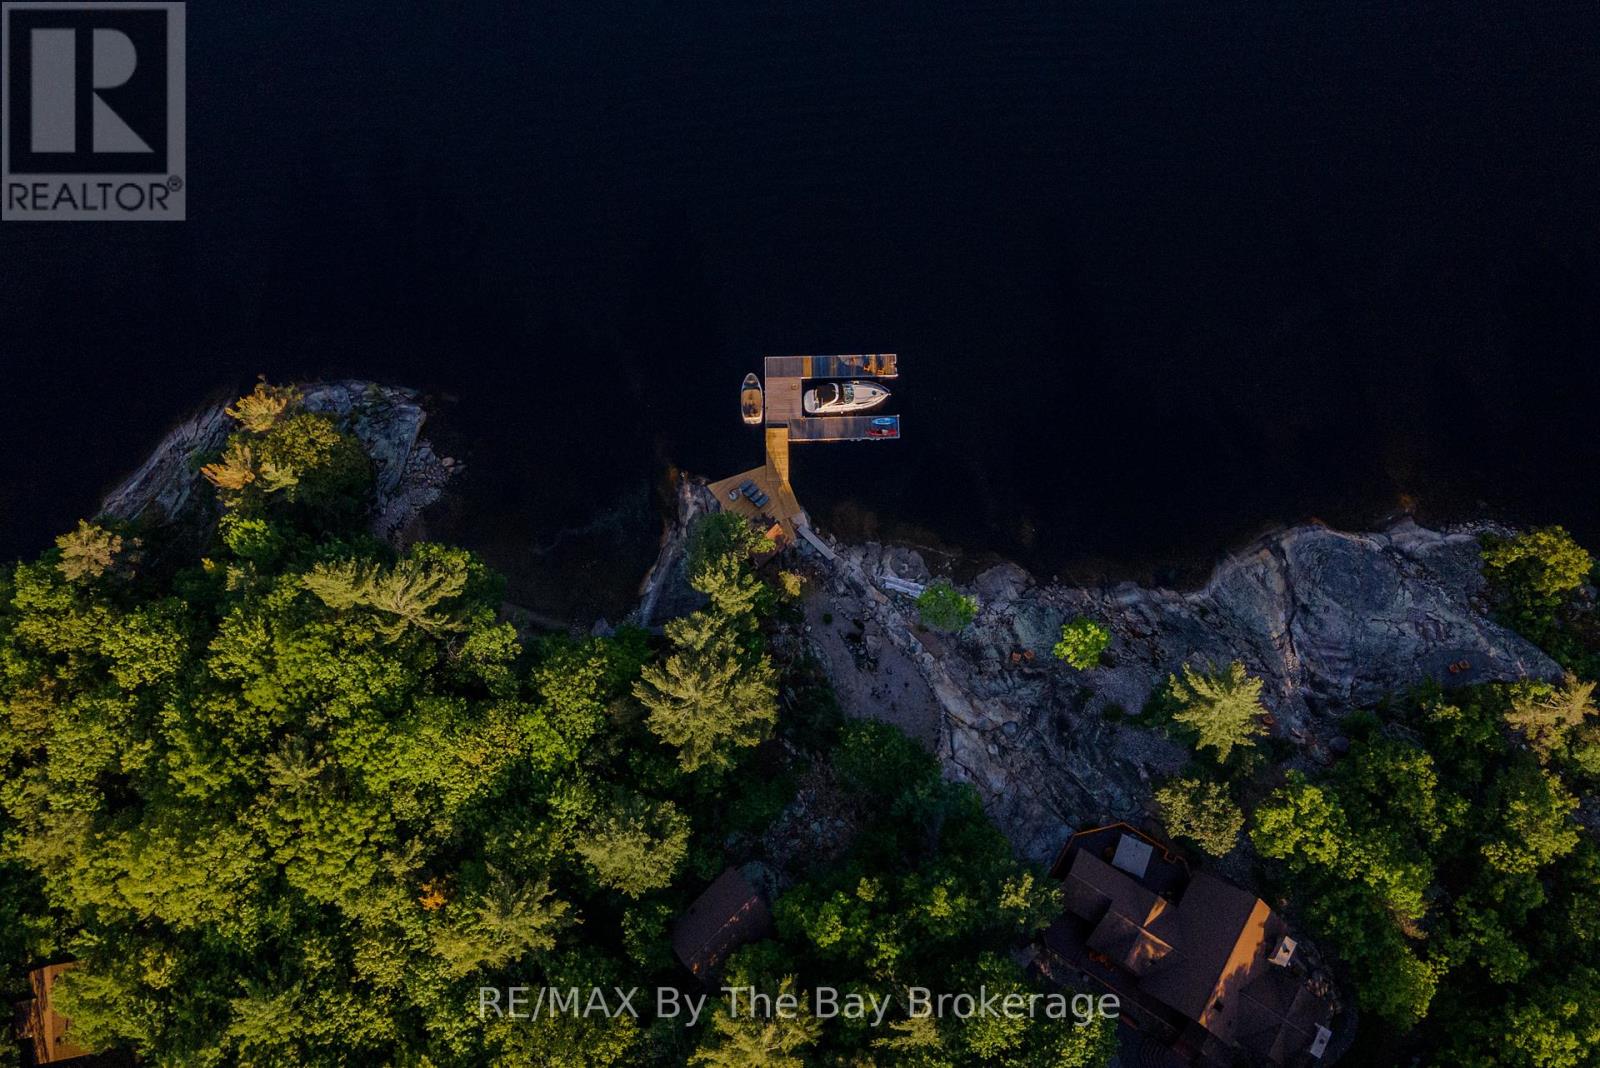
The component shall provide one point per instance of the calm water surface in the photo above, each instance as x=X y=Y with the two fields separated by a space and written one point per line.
x=1158 y=276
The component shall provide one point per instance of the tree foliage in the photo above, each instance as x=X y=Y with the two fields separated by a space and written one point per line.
x=260 y=410
x=636 y=845
x=1548 y=717
x=760 y=1041
x=943 y=607
x=1202 y=812
x=1533 y=577
x=1443 y=864
x=1223 y=708
x=288 y=796
x=1082 y=642
x=927 y=894
x=707 y=699
x=88 y=552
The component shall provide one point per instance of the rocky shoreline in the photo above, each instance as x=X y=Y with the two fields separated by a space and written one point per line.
x=408 y=476
x=1332 y=621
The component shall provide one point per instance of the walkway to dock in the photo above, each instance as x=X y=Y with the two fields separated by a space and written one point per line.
x=771 y=479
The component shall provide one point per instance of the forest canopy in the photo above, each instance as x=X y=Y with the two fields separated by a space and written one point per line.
x=290 y=796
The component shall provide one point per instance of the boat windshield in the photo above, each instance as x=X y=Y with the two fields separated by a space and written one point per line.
x=849 y=393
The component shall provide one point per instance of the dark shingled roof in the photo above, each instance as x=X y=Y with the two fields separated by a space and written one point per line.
x=729 y=914
x=1206 y=957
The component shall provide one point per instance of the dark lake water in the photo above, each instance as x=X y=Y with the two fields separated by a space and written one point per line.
x=1159 y=275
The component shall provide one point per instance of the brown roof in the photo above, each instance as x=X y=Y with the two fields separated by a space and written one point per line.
x=1207 y=957
x=1223 y=928
x=729 y=914
x=39 y=1023
x=1128 y=945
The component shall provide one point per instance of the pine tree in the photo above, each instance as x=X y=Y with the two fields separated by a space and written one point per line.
x=730 y=585
x=508 y=920
x=234 y=471
x=259 y=410
x=343 y=584
x=706 y=699
x=757 y=1041
x=1224 y=708
x=1546 y=715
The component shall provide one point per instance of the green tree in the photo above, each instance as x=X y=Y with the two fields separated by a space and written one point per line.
x=733 y=590
x=945 y=608
x=506 y=920
x=1202 y=812
x=1223 y=708
x=1533 y=576
x=756 y=1041
x=708 y=698
x=719 y=536
x=404 y=596
x=1082 y=642
x=637 y=846
x=1534 y=824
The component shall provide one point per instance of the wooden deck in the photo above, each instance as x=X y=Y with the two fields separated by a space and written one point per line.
x=772 y=478
x=867 y=365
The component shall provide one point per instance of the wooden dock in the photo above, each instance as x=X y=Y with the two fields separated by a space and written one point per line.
x=781 y=513
x=786 y=422
x=785 y=385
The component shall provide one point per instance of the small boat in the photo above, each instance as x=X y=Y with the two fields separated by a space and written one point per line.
x=838 y=398
x=750 y=400
x=885 y=427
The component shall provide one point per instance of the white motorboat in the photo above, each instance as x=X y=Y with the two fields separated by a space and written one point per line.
x=840 y=398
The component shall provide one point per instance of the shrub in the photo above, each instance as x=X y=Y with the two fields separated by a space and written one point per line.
x=1082 y=642
x=945 y=608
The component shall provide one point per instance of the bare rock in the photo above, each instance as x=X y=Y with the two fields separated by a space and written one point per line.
x=1331 y=621
x=407 y=475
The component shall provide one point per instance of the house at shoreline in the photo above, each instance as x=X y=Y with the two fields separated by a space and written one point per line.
x=1200 y=966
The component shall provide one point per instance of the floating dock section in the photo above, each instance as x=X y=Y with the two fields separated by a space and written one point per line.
x=786 y=422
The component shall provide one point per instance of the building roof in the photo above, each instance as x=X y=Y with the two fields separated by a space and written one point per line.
x=40 y=1025
x=1133 y=855
x=1223 y=928
x=729 y=914
x=1207 y=957
x=1128 y=945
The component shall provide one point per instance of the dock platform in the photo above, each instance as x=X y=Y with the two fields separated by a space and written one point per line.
x=786 y=422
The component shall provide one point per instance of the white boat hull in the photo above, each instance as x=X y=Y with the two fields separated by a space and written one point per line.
x=844 y=398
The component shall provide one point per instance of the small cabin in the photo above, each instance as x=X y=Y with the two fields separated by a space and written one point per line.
x=41 y=1029
x=729 y=914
